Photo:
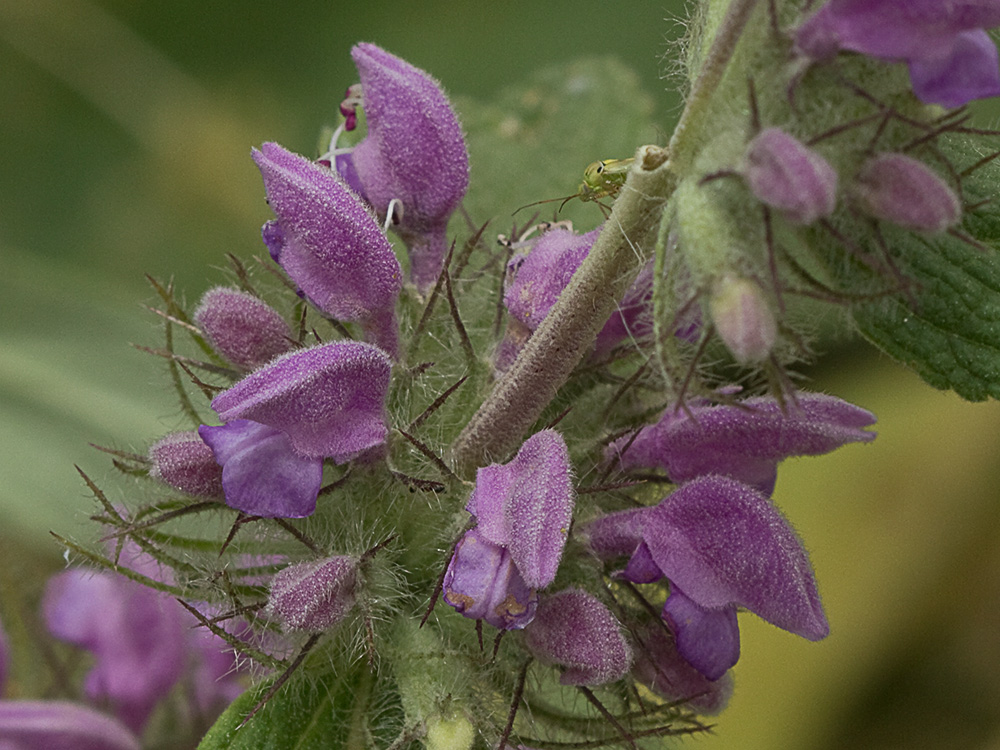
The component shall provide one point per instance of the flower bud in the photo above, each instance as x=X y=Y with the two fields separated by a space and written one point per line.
x=314 y=596
x=186 y=463
x=786 y=175
x=572 y=629
x=243 y=329
x=903 y=190
x=743 y=319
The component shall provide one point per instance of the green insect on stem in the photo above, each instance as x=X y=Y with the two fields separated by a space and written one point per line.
x=601 y=179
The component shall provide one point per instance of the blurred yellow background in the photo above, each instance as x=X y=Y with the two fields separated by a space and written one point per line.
x=126 y=128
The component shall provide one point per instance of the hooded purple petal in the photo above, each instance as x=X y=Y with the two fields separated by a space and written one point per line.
x=242 y=328
x=135 y=633
x=262 y=474
x=724 y=544
x=414 y=152
x=575 y=631
x=329 y=399
x=709 y=639
x=745 y=440
x=482 y=583
x=60 y=725
x=527 y=505
x=314 y=596
x=328 y=242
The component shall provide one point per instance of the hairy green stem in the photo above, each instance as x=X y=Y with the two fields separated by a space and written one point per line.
x=568 y=331
x=713 y=68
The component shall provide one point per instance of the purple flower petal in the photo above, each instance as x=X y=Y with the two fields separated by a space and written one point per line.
x=745 y=440
x=970 y=71
x=709 y=639
x=328 y=242
x=724 y=544
x=262 y=474
x=329 y=399
x=482 y=583
x=526 y=505
x=574 y=630
x=660 y=667
x=936 y=38
x=60 y=725
x=414 y=152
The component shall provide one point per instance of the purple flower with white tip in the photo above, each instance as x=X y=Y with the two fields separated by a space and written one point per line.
x=330 y=244
x=785 y=174
x=242 y=328
x=284 y=419
x=314 y=596
x=523 y=509
x=575 y=631
x=745 y=440
x=722 y=545
x=414 y=153
x=951 y=58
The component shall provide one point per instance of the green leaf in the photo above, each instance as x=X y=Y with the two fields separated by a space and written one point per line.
x=951 y=335
x=316 y=711
x=535 y=141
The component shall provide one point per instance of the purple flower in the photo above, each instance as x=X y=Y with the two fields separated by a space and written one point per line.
x=142 y=640
x=575 y=631
x=186 y=463
x=523 y=509
x=135 y=633
x=60 y=725
x=905 y=191
x=314 y=596
x=536 y=278
x=414 y=152
x=746 y=440
x=952 y=60
x=721 y=545
x=284 y=419
x=787 y=175
x=329 y=244
x=242 y=328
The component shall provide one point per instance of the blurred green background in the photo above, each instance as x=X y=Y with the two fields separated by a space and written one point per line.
x=125 y=130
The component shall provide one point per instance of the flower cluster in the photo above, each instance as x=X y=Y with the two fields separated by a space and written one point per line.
x=394 y=464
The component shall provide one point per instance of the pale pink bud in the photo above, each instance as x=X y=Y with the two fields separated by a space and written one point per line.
x=743 y=318
x=787 y=175
x=186 y=463
x=905 y=191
